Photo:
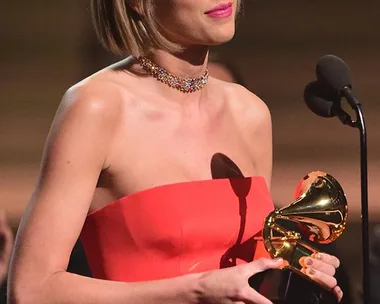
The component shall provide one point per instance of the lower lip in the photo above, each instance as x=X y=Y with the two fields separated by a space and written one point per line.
x=222 y=13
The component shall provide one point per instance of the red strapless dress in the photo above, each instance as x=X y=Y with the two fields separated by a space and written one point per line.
x=178 y=229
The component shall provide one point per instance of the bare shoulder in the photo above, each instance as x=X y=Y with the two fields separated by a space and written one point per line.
x=97 y=97
x=252 y=117
x=244 y=103
x=89 y=115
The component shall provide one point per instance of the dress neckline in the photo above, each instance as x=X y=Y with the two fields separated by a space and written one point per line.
x=169 y=186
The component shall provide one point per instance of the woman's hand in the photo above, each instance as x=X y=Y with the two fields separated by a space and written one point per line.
x=230 y=285
x=321 y=267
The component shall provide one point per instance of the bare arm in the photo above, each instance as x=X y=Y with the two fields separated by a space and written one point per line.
x=74 y=156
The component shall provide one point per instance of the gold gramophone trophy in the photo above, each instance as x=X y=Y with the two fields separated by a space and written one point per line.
x=319 y=216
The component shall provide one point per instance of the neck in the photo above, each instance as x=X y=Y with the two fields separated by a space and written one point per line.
x=192 y=62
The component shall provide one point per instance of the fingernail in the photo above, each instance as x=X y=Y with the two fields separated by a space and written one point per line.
x=319 y=256
x=308 y=261
x=279 y=260
x=311 y=271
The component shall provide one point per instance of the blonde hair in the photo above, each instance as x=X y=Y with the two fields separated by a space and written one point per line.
x=129 y=27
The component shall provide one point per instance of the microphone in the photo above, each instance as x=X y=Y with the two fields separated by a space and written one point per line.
x=334 y=79
x=323 y=101
x=333 y=71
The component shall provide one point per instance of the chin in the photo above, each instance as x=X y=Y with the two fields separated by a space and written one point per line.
x=222 y=37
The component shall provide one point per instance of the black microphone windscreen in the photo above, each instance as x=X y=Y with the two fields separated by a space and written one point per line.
x=322 y=99
x=334 y=72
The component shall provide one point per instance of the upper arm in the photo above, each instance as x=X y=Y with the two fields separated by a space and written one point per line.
x=74 y=155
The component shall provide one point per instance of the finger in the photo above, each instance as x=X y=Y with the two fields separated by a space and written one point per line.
x=264 y=264
x=327 y=258
x=318 y=276
x=308 y=262
x=338 y=293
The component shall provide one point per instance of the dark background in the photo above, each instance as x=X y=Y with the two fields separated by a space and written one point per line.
x=46 y=46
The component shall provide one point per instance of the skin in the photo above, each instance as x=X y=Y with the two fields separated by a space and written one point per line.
x=221 y=72
x=6 y=244
x=104 y=145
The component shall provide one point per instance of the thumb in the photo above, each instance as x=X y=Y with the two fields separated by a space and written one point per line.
x=264 y=264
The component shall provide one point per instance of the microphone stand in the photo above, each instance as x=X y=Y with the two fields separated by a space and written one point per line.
x=364 y=191
x=360 y=124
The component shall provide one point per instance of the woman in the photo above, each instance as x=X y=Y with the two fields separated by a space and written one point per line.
x=170 y=155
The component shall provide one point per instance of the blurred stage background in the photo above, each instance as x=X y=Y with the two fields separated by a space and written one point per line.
x=49 y=45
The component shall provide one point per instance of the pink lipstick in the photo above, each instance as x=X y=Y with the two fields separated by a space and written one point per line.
x=221 y=11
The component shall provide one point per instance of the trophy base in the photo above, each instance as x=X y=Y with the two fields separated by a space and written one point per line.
x=288 y=287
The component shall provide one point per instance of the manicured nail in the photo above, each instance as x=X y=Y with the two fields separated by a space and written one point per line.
x=308 y=261
x=319 y=256
x=311 y=271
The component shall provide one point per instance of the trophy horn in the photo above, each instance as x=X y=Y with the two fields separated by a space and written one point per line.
x=320 y=213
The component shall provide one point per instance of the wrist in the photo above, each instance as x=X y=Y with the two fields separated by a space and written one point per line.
x=193 y=288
